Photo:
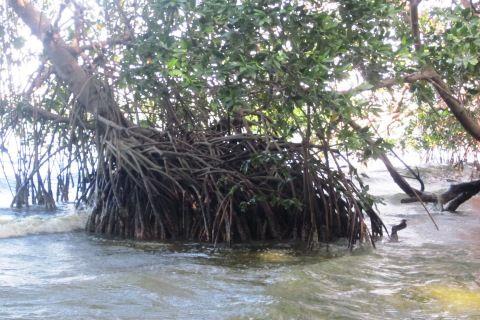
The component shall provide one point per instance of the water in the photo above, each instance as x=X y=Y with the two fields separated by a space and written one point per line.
x=51 y=269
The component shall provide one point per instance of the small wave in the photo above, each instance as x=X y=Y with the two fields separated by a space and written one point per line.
x=11 y=226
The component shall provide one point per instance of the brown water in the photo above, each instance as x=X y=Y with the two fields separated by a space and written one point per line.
x=47 y=270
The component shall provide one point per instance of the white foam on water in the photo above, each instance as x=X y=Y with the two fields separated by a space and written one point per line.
x=11 y=226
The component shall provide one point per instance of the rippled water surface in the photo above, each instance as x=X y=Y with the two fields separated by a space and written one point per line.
x=49 y=270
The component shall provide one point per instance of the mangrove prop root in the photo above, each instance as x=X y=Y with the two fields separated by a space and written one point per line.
x=218 y=188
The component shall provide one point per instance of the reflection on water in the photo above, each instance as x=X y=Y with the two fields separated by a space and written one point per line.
x=427 y=274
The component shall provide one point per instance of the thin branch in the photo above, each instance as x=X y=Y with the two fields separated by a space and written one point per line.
x=415 y=25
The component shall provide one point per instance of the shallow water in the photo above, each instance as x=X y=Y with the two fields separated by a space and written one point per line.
x=50 y=270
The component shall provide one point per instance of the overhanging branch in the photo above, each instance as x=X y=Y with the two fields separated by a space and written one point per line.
x=88 y=92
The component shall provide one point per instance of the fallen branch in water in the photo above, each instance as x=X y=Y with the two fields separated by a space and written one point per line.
x=453 y=197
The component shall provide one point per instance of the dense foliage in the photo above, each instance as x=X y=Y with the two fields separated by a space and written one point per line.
x=201 y=61
x=451 y=38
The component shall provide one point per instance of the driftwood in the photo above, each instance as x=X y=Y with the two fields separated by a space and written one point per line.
x=452 y=198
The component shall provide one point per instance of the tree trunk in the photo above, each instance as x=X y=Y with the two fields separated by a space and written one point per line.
x=93 y=94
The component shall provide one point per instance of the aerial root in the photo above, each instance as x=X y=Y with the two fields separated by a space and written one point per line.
x=217 y=188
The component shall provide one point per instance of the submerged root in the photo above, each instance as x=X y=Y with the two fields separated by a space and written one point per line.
x=212 y=187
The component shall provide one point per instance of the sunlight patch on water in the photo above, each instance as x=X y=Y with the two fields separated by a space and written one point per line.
x=275 y=256
x=455 y=299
